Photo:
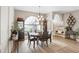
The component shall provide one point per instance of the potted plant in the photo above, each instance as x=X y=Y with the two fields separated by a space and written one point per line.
x=77 y=35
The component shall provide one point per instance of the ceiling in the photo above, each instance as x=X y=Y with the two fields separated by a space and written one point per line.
x=47 y=9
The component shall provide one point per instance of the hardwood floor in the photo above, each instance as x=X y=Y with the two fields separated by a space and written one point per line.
x=58 y=45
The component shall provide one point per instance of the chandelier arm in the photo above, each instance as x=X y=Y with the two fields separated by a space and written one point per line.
x=39 y=15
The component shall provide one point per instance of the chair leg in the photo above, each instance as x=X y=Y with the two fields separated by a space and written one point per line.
x=42 y=43
x=47 y=42
x=37 y=42
x=34 y=44
x=50 y=40
x=29 y=43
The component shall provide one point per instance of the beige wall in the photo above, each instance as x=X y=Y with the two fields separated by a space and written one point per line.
x=25 y=14
x=76 y=15
x=64 y=18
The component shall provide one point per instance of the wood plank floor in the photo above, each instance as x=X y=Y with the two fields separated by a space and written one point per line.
x=58 y=45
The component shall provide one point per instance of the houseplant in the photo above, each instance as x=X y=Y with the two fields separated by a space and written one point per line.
x=77 y=35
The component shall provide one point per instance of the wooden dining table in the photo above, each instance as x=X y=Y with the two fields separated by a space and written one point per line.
x=37 y=35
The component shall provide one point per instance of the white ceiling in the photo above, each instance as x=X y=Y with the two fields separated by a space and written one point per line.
x=47 y=9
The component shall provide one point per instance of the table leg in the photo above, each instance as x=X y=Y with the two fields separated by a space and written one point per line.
x=50 y=40
x=37 y=42
x=47 y=42
x=34 y=44
x=42 y=43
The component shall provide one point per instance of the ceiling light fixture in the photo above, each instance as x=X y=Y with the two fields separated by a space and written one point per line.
x=40 y=17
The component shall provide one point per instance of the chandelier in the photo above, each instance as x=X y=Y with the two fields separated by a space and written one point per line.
x=40 y=17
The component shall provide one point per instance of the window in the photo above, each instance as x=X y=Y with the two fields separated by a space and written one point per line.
x=32 y=24
x=58 y=20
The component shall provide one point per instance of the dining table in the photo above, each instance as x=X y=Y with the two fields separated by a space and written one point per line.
x=37 y=35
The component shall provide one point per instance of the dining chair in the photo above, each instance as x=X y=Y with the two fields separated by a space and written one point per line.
x=31 y=39
x=49 y=36
x=44 y=38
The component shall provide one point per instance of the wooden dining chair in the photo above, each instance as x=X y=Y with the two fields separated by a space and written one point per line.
x=49 y=36
x=31 y=39
x=44 y=38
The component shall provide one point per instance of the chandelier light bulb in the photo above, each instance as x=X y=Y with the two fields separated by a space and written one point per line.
x=38 y=16
x=41 y=16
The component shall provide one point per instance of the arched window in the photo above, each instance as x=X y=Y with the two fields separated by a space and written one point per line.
x=32 y=24
x=58 y=20
x=32 y=20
